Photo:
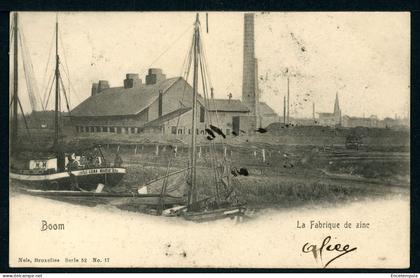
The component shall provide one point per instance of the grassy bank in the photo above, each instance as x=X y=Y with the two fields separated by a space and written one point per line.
x=271 y=190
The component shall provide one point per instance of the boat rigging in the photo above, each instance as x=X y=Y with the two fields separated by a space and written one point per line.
x=57 y=167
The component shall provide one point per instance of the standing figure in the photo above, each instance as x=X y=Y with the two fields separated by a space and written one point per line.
x=118 y=160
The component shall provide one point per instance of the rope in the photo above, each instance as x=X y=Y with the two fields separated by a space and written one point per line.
x=71 y=86
x=24 y=119
x=187 y=63
x=67 y=71
x=205 y=75
x=184 y=73
x=67 y=103
x=166 y=50
x=65 y=95
x=27 y=71
x=49 y=94
x=45 y=86
x=51 y=79
x=65 y=60
x=208 y=119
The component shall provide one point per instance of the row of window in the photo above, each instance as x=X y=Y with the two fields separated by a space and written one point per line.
x=111 y=129
x=133 y=130
x=202 y=132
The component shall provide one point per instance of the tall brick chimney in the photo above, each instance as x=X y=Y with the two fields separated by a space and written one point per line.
x=249 y=74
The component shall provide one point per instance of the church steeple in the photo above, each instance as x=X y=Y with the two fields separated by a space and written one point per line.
x=337 y=111
x=336 y=105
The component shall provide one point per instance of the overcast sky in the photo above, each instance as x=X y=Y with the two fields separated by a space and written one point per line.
x=364 y=57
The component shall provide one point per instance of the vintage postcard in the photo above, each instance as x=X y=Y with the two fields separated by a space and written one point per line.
x=217 y=140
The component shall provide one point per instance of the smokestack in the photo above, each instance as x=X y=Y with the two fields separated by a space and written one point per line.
x=288 y=97
x=211 y=93
x=249 y=85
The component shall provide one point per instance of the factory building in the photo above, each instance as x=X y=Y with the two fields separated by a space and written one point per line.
x=163 y=105
x=267 y=115
x=160 y=105
x=125 y=110
x=229 y=115
x=371 y=121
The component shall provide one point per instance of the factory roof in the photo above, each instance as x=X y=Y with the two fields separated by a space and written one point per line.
x=325 y=114
x=119 y=101
x=227 y=105
x=266 y=110
x=171 y=115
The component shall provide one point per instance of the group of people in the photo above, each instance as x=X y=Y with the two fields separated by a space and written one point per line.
x=90 y=159
x=87 y=159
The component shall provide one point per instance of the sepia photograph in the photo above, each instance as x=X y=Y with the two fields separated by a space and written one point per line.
x=209 y=140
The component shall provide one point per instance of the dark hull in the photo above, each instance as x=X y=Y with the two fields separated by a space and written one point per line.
x=123 y=200
x=85 y=179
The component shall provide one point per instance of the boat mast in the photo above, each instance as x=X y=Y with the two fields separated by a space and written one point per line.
x=15 y=84
x=192 y=196
x=57 y=88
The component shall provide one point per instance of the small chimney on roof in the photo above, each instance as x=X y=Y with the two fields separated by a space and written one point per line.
x=132 y=80
x=154 y=76
x=94 y=89
x=102 y=85
x=99 y=87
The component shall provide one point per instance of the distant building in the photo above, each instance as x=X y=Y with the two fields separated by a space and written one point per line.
x=374 y=122
x=303 y=121
x=331 y=119
x=371 y=121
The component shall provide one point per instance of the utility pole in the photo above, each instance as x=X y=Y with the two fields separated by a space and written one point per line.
x=288 y=99
x=284 y=110
x=313 y=111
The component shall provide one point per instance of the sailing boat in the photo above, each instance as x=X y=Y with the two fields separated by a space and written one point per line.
x=59 y=168
x=224 y=202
